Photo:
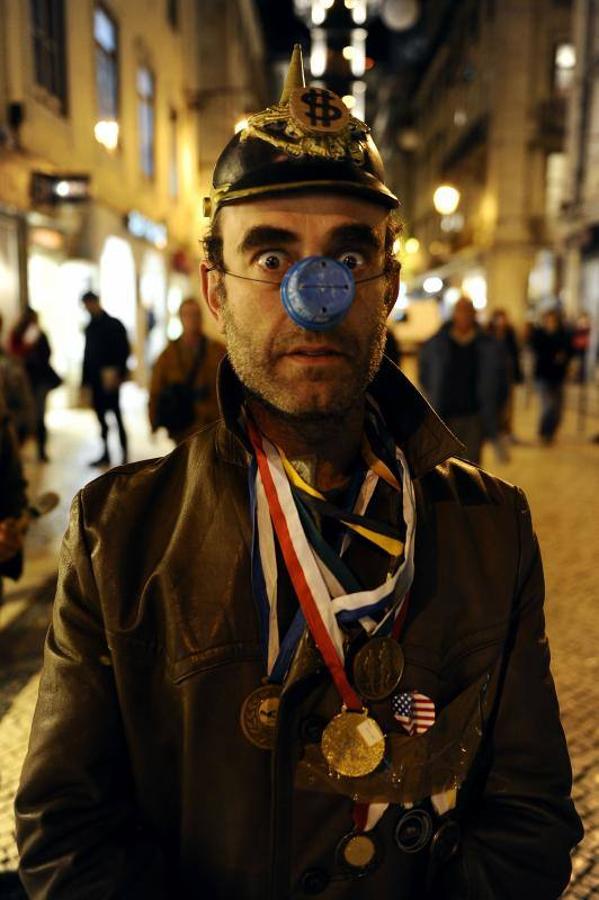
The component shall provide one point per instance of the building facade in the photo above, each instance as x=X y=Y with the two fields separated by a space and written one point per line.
x=488 y=118
x=103 y=159
x=579 y=232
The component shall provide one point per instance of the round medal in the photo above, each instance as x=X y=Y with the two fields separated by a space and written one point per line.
x=358 y=853
x=353 y=743
x=378 y=667
x=259 y=715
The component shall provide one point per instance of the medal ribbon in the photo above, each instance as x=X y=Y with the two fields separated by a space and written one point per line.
x=309 y=585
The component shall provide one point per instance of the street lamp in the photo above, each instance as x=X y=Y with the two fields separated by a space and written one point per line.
x=446 y=199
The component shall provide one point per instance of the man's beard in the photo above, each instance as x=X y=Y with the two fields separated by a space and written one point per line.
x=255 y=367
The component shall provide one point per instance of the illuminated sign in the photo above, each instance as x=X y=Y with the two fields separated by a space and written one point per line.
x=59 y=188
x=141 y=227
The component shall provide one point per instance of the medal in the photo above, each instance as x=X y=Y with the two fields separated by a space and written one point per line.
x=259 y=715
x=353 y=743
x=358 y=853
x=378 y=667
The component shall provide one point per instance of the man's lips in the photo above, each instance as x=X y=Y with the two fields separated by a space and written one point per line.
x=314 y=352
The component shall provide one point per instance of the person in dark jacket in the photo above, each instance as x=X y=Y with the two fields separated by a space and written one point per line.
x=551 y=345
x=503 y=331
x=304 y=653
x=464 y=374
x=28 y=343
x=104 y=369
x=13 y=499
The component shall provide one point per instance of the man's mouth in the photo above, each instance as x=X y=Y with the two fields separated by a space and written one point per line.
x=314 y=352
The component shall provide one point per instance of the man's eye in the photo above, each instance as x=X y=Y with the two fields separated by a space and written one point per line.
x=352 y=260
x=271 y=260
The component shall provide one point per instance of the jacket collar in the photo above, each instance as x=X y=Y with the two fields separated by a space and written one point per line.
x=416 y=428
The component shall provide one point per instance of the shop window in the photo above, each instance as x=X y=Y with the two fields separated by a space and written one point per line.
x=146 y=95
x=173 y=165
x=49 y=50
x=107 y=74
x=564 y=65
x=172 y=13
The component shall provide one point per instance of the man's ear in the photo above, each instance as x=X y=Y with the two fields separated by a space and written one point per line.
x=392 y=289
x=210 y=282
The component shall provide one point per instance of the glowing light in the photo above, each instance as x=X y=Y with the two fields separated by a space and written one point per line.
x=412 y=245
x=241 y=125
x=452 y=295
x=348 y=52
x=63 y=189
x=106 y=132
x=358 y=59
x=432 y=285
x=446 y=199
x=319 y=12
x=396 y=246
x=359 y=12
x=318 y=55
x=349 y=4
x=475 y=287
x=359 y=92
x=349 y=100
x=565 y=56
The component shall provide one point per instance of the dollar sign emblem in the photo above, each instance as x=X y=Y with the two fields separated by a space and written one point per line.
x=320 y=112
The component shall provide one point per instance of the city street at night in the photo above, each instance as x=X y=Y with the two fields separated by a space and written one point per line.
x=344 y=256
x=562 y=484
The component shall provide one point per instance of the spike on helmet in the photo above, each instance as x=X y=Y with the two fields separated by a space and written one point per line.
x=308 y=141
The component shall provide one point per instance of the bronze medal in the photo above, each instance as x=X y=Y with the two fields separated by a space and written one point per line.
x=353 y=744
x=259 y=715
x=358 y=853
x=378 y=667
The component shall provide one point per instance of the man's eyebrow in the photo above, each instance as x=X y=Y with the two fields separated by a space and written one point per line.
x=354 y=234
x=264 y=236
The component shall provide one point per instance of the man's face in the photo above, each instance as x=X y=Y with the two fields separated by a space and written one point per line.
x=301 y=373
x=463 y=315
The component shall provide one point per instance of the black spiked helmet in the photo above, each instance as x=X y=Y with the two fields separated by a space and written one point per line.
x=307 y=141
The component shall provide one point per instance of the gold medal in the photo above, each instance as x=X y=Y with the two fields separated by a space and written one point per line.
x=353 y=743
x=378 y=667
x=259 y=715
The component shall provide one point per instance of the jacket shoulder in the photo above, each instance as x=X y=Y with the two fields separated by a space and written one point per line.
x=135 y=489
x=462 y=482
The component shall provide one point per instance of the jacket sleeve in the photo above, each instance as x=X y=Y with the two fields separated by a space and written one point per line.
x=518 y=831
x=78 y=831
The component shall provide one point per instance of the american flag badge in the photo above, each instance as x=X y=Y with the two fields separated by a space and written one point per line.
x=414 y=711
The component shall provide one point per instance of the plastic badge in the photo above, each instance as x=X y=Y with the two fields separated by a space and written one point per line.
x=317 y=292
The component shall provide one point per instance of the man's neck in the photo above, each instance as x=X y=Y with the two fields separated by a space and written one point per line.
x=324 y=451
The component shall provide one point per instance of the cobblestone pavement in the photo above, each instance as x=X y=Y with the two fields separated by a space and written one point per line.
x=562 y=483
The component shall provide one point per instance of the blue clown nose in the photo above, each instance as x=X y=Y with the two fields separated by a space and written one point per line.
x=317 y=292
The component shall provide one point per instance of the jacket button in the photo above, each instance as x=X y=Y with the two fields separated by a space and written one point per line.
x=311 y=729
x=413 y=831
x=446 y=841
x=314 y=881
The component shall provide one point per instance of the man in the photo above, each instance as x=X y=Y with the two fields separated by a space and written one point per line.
x=104 y=369
x=13 y=499
x=406 y=741
x=551 y=345
x=183 y=386
x=464 y=374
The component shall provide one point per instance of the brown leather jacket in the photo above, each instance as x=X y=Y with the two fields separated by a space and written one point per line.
x=139 y=782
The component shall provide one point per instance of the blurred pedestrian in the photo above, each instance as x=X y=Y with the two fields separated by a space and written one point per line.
x=104 y=370
x=13 y=499
x=551 y=345
x=18 y=398
x=28 y=343
x=581 y=343
x=183 y=386
x=503 y=331
x=463 y=372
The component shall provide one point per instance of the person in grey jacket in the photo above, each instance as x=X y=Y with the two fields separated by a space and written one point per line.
x=463 y=372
